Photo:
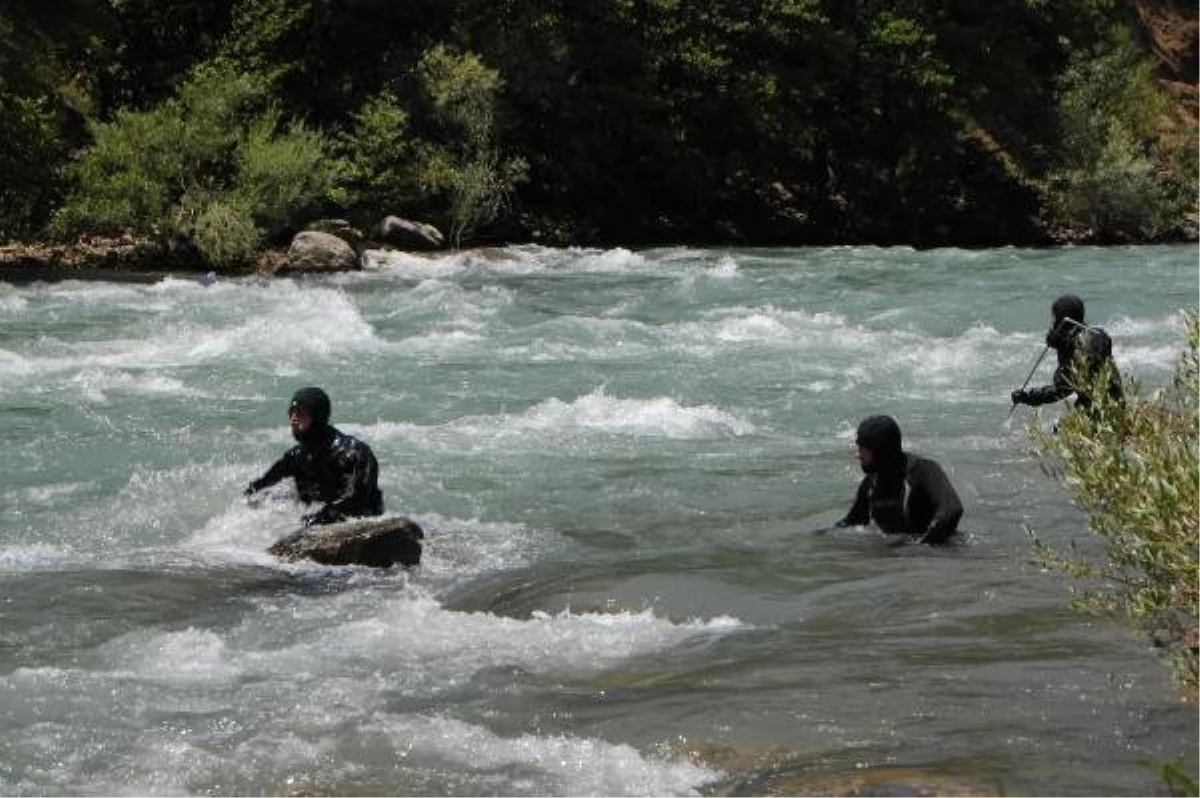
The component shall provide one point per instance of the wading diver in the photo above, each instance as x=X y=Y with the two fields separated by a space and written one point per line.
x=904 y=494
x=331 y=468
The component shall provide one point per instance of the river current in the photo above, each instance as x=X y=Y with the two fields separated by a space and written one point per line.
x=618 y=458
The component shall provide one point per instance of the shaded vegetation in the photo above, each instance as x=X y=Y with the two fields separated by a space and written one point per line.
x=592 y=122
x=29 y=159
x=214 y=167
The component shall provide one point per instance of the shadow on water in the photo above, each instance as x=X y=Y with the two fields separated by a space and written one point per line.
x=774 y=771
x=45 y=613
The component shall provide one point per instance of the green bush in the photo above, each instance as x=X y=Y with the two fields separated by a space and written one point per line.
x=378 y=172
x=282 y=173
x=215 y=160
x=1115 y=175
x=1122 y=195
x=224 y=233
x=29 y=159
x=465 y=164
x=1132 y=467
x=130 y=175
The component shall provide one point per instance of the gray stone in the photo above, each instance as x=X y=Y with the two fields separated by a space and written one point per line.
x=314 y=251
x=342 y=229
x=377 y=542
x=409 y=235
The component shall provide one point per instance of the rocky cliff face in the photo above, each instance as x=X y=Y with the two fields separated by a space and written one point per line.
x=1171 y=29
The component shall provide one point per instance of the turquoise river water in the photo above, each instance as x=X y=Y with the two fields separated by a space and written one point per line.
x=618 y=458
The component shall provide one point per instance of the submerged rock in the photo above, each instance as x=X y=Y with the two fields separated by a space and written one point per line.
x=774 y=770
x=377 y=542
x=888 y=781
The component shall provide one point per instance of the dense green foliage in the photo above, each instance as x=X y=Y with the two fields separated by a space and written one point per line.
x=28 y=160
x=1107 y=178
x=465 y=165
x=631 y=121
x=214 y=167
x=378 y=153
x=1132 y=466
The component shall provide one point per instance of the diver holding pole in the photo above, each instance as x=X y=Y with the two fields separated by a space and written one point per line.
x=1025 y=384
x=1070 y=335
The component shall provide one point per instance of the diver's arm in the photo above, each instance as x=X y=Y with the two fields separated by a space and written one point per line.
x=947 y=507
x=1059 y=389
x=281 y=469
x=860 y=511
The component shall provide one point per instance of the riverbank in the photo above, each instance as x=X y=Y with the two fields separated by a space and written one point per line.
x=127 y=258
x=123 y=258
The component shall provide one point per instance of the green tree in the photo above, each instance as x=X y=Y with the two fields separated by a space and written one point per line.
x=1112 y=177
x=378 y=173
x=29 y=160
x=326 y=58
x=283 y=173
x=154 y=45
x=463 y=161
x=47 y=46
x=770 y=121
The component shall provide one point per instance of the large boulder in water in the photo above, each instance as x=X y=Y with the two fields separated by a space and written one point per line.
x=377 y=542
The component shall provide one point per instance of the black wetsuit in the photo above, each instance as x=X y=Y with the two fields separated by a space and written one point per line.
x=1067 y=340
x=330 y=467
x=922 y=503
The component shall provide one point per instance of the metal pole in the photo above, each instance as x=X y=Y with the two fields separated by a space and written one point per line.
x=1037 y=363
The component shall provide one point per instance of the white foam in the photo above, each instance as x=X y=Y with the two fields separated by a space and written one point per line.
x=442 y=343
x=33 y=556
x=448 y=265
x=726 y=268
x=47 y=494
x=755 y=327
x=839 y=354
x=436 y=648
x=241 y=531
x=560 y=764
x=12 y=304
x=655 y=417
x=95 y=384
x=517 y=260
x=14 y=364
x=1126 y=326
x=1144 y=360
x=190 y=657
x=286 y=323
x=596 y=413
x=458 y=549
x=610 y=260
x=944 y=362
x=295 y=325
x=87 y=292
x=414 y=266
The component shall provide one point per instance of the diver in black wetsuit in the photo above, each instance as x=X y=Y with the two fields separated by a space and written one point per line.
x=902 y=493
x=328 y=465
x=1068 y=336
